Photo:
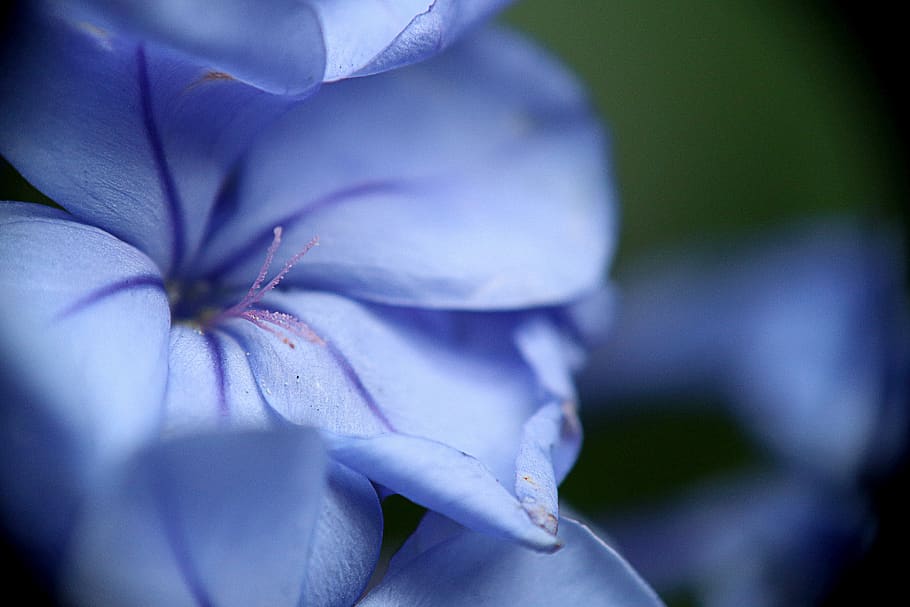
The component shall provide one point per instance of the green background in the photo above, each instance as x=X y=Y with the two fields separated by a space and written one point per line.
x=726 y=119
x=725 y=116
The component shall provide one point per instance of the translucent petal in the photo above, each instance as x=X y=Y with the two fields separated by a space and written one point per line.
x=224 y=519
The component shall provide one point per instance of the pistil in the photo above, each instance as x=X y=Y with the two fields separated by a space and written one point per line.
x=279 y=324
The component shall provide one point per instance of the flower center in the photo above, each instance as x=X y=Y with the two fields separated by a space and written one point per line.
x=192 y=303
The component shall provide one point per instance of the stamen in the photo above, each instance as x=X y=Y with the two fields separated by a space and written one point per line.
x=276 y=323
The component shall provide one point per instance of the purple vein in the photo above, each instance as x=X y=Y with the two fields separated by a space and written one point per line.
x=351 y=374
x=143 y=281
x=171 y=196
x=214 y=348
x=260 y=241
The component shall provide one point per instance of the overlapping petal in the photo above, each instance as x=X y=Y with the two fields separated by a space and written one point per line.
x=469 y=568
x=387 y=369
x=474 y=181
x=130 y=138
x=444 y=480
x=427 y=377
x=346 y=541
x=225 y=519
x=290 y=46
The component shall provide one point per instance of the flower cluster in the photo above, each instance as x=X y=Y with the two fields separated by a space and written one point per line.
x=201 y=405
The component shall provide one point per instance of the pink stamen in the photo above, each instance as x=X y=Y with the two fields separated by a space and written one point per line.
x=273 y=322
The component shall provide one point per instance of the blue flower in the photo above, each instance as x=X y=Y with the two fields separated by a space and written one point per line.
x=461 y=210
x=290 y=46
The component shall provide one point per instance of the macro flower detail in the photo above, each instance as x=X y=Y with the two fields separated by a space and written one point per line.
x=461 y=209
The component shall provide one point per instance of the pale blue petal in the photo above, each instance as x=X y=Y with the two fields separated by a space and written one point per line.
x=290 y=46
x=444 y=480
x=535 y=478
x=128 y=138
x=550 y=354
x=475 y=181
x=429 y=374
x=431 y=31
x=357 y=31
x=85 y=326
x=473 y=569
x=551 y=438
x=424 y=373
x=211 y=385
x=221 y=519
x=346 y=542
x=275 y=45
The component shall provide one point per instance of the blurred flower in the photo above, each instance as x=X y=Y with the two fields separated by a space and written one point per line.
x=804 y=338
x=429 y=336
x=763 y=540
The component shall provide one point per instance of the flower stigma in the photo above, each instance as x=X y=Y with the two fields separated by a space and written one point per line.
x=282 y=325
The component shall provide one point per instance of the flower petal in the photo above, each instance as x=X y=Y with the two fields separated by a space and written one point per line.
x=128 y=138
x=346 y=542
x=424 y=373
x=211 y=385
x=476 y=181
x=86 y=323
x=551 y=438
x=357 y=31
x=442 y=479
x=275 y=45
x=431 y=31
x=427 y=374
x=224 y=519
x=535 y=477
x=290 y=46
x=470 y=568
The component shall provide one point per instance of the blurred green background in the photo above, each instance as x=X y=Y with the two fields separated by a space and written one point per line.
x=725 y=119
x=726 y=116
